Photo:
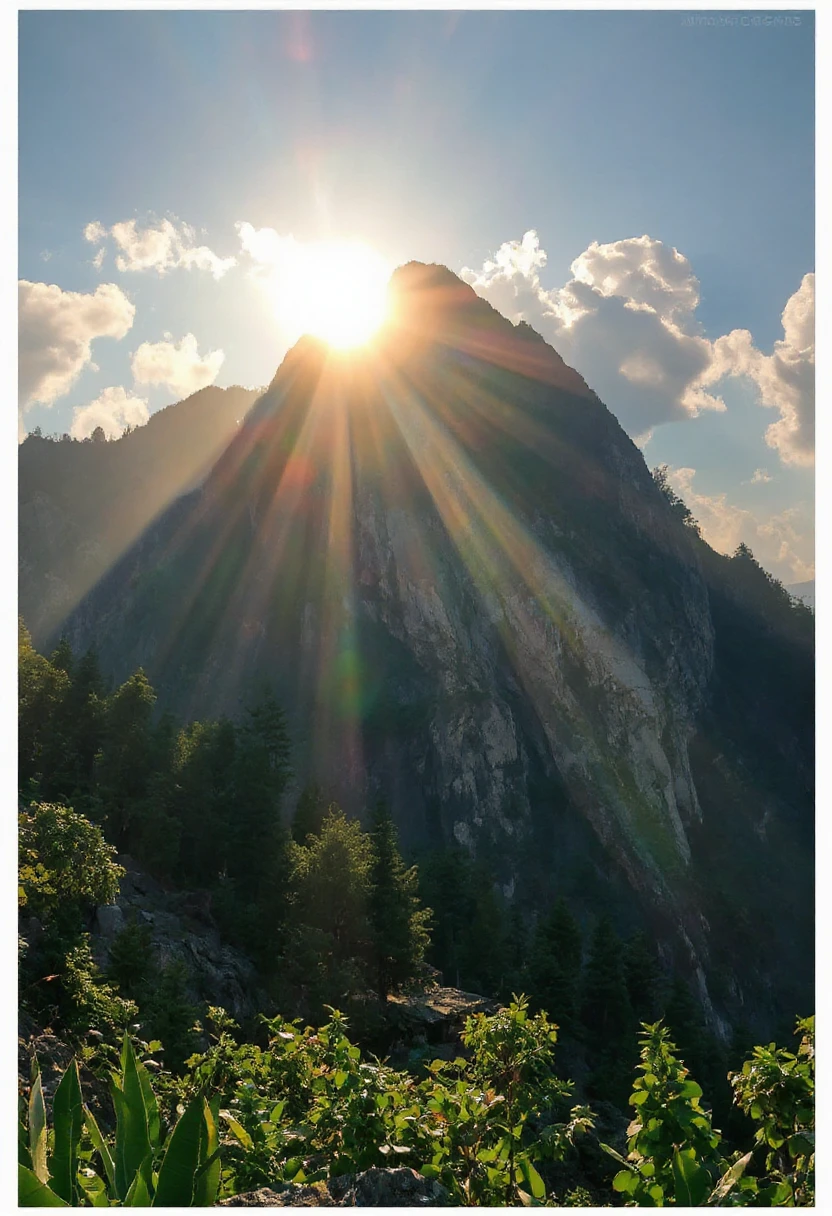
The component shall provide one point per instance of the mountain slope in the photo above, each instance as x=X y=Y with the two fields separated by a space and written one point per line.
x=475 y=601
x=82 y=504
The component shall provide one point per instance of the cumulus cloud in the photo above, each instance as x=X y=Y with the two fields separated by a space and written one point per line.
x=626 y=319
x=95 y=232
x=56 y=329
x=759 y=477
x=113 y=410
x=785 y=379
x=161 y=247
x=782 y=542
x=177 y=365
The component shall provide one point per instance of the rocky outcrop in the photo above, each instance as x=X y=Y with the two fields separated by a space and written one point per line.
x=374 y=1188
x=181 y=931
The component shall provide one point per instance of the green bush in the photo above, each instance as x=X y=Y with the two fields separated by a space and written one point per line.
x=143 y=1165
x=63 y=860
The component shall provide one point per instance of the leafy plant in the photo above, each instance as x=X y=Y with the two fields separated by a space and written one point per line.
x=494 y=1117
x=142 y=1167
x=777 y=1089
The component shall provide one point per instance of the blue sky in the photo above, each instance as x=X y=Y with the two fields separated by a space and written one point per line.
x=444 y=137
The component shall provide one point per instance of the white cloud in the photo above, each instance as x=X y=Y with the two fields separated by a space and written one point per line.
x=177 y=365
x=785 y=379
x=759 y=478
x=95 y=232
x=55 y=331
x=161 y=247
x=98 y=260
x=626 y=320
x=782 y=542
x=113 y=410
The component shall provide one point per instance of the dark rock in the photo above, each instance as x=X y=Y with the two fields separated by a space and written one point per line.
x=282 y=1196
x=374 y=1188
x=109 y=920
x=395 y=1188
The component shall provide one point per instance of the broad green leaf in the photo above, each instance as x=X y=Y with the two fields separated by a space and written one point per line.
x=132 y=1137
x=530 y=1176
x=68 y=1120
x=237 y=1130
x=138 y=1193
x=37 y=1129
x=207 y=1182
x=689 y=1089
x=94 y=1188
x=175 y=1185
x=24 y=1157
x=103 y=1148
x=624 y=1182
x=691 y=1181
x=151 y=1106
x=32 y=1193
x=730 y=1178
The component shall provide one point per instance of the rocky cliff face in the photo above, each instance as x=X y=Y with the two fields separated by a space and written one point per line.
x=473 y=599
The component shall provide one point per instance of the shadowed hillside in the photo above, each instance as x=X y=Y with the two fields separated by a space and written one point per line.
x=82 y=503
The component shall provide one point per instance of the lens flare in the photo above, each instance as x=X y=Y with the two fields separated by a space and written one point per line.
x=334 y=290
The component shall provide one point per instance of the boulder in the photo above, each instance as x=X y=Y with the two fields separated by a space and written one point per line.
x=109 y=920
x=374 y=1188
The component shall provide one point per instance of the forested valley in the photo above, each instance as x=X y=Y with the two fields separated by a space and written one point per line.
x=341 y=929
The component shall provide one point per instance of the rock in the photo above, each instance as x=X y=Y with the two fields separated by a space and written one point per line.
x=439 y=1014
x=109 y=920
x=375 y=1188
x=285 y=1196
x=394 y=1188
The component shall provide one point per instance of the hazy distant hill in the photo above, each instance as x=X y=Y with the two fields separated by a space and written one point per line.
x=804 y=591
x=81 y=504
x=474 y=600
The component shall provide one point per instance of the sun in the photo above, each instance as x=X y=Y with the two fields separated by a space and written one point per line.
x=334 y=290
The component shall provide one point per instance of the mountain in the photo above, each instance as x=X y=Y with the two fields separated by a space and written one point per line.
x=81 y=504
x=474 y=600
x=805 y=592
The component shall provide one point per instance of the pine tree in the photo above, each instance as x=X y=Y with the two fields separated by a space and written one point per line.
x=41 y=689
x=398 y=924
x=607 y=1017
x=125 y=766
x=257 y=839
x=309 y=813
x=643 y=976
x=555 y=965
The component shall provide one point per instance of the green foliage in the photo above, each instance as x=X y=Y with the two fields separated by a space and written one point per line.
x=673 y=1149
x=311 y=1107
x=87 y=1001
x=555 y=965
x=141 y=1166
x=63 y=860
x=398 y=924
x=677 y=505
x=310 y=813
x=496 y=1116
x=777 y=1089
x=675 y=1154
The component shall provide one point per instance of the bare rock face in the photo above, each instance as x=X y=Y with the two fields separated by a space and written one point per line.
x=374 y=1188
x=457 y=571
x=181 y=931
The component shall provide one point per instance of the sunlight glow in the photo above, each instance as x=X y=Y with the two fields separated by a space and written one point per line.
x=334 y=290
